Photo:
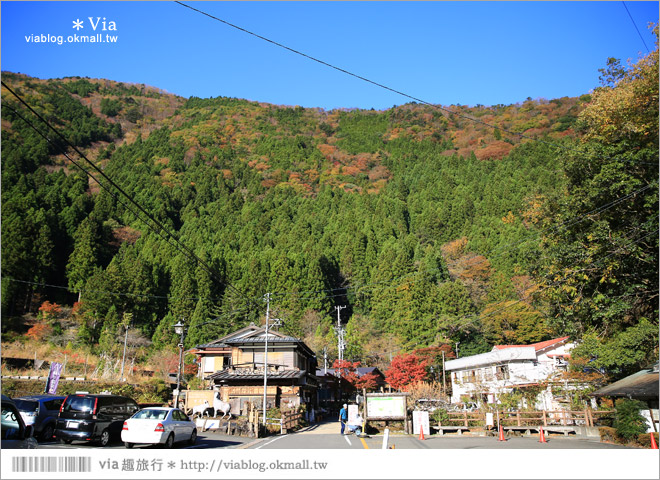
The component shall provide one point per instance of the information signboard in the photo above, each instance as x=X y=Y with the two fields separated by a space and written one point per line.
x=386 y=407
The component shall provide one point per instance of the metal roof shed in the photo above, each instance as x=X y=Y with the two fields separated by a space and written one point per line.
x=642 y=385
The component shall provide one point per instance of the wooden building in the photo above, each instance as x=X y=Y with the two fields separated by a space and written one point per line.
x=234 y=365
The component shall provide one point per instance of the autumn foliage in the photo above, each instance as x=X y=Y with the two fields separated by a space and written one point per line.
x=50 y=310
x=39 y=331
x=406 y=371
x=348 y=372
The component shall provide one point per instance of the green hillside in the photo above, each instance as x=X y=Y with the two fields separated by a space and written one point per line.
x=479 y=225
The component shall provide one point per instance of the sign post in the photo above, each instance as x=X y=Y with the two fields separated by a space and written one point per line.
x=421 y=421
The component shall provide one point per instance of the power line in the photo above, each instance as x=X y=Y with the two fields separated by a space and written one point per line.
x=118 y=294
x=505 y=248
x=635 y=24
x=511 y=303
x=160 y=227
x=380 y=85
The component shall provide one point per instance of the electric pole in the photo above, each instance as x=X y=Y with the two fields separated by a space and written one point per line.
x=266 y=354
x=341 y=342
x=325 y=360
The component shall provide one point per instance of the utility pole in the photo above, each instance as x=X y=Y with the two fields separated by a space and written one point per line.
x=123 y=360
x=276 y=323
x=444 y=383
x=325 y=360
x=341 y=342
x=266 y=354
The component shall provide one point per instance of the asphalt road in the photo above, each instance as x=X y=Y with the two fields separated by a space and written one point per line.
x=307 y=441
x=204 y=440
x=327 y=436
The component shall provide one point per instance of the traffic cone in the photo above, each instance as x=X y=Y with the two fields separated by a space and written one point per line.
x=421 y=432
x=654 y=444
x=542 y=437
x=501 y=439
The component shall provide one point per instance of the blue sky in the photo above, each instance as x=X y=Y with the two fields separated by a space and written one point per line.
x=442 y=52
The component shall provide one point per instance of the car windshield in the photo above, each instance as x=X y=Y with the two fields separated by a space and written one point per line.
x=79 y=404
x=151 y=414
x=26 y=405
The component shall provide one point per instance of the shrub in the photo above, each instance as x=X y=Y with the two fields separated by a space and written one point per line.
x=608 y=434
x=628 y=422
x=644 y=439
x=440 y=416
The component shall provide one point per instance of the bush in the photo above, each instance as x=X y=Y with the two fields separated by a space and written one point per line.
x=608 y=434
x=628 y=422
x=644 y=439
x=440 y=416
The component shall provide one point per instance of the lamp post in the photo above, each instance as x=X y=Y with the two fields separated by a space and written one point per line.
x=179 y=329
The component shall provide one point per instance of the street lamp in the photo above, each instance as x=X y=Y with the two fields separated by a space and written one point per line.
x=179 y=329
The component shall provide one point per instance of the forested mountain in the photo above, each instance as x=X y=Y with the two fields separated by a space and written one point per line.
x=469 y=225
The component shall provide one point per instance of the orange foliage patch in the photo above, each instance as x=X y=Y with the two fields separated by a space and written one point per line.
x=509 y=218
x=125 y=235
x=379 y=172
x=351 y=170
x=455 y=248
x=327 y=150
x=39 y=331
x=495 y=151
x=48 y=309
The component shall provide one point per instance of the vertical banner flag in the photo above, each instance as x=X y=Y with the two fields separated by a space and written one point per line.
x=53 y=377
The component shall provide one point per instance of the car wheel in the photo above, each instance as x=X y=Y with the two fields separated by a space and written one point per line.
x=128 y=444
x=47 y=434
x=193 y=437
x=105 y=438
x=169 y=443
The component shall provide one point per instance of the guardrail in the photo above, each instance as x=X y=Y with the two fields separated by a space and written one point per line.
x=521 y=418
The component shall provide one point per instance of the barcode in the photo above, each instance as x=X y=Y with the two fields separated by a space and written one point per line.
x=51 y=464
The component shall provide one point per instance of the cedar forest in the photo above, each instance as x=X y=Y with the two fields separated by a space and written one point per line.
x=434 y=230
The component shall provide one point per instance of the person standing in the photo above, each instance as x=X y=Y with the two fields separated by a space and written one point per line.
x=343 y=417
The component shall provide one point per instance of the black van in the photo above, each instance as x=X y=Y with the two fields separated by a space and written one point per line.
x=93 y=417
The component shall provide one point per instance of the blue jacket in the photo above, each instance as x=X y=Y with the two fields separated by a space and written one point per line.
x=343 y=414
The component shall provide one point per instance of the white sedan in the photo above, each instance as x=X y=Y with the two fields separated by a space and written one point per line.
x=158 y=425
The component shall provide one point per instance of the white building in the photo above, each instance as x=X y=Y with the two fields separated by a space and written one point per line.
x=484 y=377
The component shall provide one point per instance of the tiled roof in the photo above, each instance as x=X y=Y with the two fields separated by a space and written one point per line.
x=255 y=375
x=360 y=371
x=213 y=345
x=262 y=339
x=537 y=346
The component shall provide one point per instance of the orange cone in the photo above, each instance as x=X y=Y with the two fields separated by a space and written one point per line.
x=501 y=439
x=421 y=432
x=542 y=437
x=654 y=444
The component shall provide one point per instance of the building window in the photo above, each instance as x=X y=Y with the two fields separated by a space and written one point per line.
x=502 y=372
